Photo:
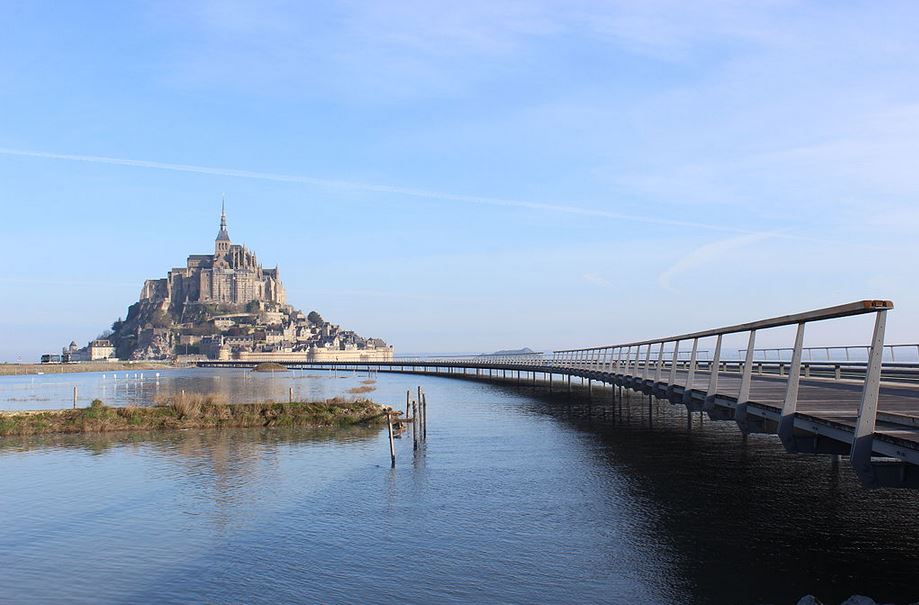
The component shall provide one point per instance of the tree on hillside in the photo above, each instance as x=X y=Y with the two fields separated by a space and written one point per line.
x=315 y=318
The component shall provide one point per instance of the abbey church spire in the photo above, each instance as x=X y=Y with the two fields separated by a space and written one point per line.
x=222 y=245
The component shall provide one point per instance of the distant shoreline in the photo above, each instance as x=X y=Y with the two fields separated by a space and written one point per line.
x=13 y=369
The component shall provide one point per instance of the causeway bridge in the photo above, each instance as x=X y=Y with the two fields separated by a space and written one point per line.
x=865 y=409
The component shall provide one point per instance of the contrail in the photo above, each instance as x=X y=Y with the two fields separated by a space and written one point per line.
x=372 y=187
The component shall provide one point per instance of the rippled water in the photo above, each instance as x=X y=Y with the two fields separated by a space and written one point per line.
x=518 y=497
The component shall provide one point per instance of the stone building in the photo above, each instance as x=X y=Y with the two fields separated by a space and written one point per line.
x=231 y=275
x=225 y=306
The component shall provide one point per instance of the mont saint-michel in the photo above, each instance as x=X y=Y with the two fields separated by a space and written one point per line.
x=224 y=306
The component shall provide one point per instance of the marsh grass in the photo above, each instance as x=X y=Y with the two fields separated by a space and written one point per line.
x=363 y=389
x=193 y=411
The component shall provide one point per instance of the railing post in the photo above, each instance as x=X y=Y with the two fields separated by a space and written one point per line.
x=789 y=408
x=743 y=395
x=691 y=372
x=713 y=379
x=676 y=354
x=647 y=371
x=863 y=440
x=660 y=364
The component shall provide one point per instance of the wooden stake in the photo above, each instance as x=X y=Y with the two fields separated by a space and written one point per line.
x=421 y=412
x=424 y=417
x=392 y=444
x=415 y=425
x=290 y=395
x=408 y=395
x=74 y=396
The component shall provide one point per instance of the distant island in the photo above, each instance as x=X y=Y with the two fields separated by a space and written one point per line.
x=223 y=306
x=523 y=351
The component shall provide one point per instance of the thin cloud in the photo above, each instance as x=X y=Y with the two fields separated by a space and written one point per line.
x=597 y=280
x=709 y=253
x=371 y=187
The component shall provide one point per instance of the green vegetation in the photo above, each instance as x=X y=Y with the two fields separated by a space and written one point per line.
x=161 y=319
x=192 y=412
x=315 y=318
x=363 y=389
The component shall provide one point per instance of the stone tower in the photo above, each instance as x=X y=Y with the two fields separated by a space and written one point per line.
x=222 y=244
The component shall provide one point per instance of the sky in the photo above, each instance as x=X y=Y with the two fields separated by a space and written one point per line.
x=465 y=176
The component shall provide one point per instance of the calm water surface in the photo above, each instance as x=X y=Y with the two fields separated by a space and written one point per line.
x=518 y=497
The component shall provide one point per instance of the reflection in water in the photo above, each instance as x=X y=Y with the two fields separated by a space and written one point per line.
x=55 y=391
x=518 y=496
x=747 y=521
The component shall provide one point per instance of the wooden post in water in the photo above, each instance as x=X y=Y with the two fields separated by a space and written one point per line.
x=408 y=394
x=392 y=443
x=414 y=425
x=74 y=396
x=424 y=417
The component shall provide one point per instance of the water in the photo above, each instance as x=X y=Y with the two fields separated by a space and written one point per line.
x=518 y=497
x=144 y=387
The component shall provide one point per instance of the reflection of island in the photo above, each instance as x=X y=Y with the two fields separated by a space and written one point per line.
x=199 y=444
x=223 y=472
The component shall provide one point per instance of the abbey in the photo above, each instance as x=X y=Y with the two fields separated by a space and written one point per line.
x=231 y=275
x=225 y=305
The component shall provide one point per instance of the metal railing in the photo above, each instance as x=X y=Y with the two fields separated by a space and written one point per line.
x=648 y=360
x=812 y=353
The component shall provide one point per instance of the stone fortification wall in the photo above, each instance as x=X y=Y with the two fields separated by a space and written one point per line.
x=320 y=355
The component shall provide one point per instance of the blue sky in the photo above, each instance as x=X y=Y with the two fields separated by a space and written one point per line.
x=465 y=176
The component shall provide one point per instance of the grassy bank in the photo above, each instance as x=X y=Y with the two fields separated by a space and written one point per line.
x=10 y=369
x=192 y=412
